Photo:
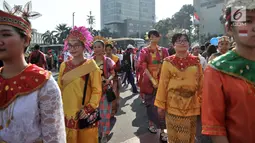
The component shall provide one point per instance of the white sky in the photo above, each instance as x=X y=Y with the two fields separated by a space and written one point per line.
x=55 y=12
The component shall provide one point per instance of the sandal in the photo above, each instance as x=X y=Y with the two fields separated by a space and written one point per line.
x=152 y=129
x=163 y=137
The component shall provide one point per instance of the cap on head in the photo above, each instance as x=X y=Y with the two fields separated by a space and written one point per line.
x=195 y=45
x=130 y=47
x=223 y=39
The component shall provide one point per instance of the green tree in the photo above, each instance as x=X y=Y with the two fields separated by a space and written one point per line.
x=62 y=32
x=49 y=37
x=171 y=33
x=163 y=26
x=105 y=32
x=194 y=33
x=182 y=18
x=180 y=22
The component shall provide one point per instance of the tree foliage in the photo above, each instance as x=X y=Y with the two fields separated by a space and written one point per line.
x=62 y=32
x=180 y=22
x=182 y=18
x=56 y=36
x=163 y=26
x=105 y=32
x=49 y=37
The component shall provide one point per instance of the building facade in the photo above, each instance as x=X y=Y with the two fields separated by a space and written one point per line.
x=209 y=12
x=36 y=38
x=128 y=17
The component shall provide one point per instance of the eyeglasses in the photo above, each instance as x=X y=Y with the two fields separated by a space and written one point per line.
x=182 y=41
x=74 y=46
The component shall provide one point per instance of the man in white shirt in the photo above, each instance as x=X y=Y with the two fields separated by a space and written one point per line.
x=67 y=56
x=128 y=60
x=195 y=50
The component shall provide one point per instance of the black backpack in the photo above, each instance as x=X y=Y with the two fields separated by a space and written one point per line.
x=126 y=63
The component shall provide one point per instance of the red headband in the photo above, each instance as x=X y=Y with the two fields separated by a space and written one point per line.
x=17 y=17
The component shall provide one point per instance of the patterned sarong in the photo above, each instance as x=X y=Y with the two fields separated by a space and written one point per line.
x=181 y=129
x=105 y=114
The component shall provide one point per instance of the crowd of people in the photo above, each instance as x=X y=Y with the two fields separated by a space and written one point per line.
x=192 y=93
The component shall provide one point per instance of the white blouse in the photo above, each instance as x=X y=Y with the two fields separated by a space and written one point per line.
x=37 y=116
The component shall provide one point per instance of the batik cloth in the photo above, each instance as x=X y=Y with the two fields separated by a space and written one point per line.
x=107 y=69
x=181 y=129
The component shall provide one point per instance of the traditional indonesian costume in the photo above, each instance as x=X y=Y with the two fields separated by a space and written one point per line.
x=71 y=82
x=31 y=108
x=229 y=98
x=107 y=69
x=151 y=60
x=179 y=93
x=116 y=85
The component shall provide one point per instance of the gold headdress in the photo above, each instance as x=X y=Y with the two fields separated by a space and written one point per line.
x=100 y=38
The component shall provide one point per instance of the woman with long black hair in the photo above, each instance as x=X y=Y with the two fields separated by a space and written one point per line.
x=30 y=101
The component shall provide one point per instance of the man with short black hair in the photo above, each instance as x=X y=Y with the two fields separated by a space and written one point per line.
x=151 y=58
x=229 y=83
x=37 y=57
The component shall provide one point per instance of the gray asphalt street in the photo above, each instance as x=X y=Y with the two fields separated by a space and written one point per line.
x=130 y=124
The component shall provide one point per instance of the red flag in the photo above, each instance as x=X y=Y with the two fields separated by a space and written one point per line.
x=196 y=16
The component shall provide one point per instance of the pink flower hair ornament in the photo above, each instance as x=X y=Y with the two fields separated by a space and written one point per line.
x=82 y=34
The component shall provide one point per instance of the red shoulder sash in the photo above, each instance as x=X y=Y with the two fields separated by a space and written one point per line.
x=183 y=63
x=29 y=80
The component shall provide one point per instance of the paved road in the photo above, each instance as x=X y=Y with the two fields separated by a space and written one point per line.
x=130 y=124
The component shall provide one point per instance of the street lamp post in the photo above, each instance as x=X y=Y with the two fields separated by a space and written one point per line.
x=139 y=20
x=73 y=18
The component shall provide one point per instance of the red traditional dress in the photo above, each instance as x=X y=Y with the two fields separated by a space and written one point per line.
x=41 y=58
x=151 y=60
x=107 y=69
x=229 y=98
x=116 y=87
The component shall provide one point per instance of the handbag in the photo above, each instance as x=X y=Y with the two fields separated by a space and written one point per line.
x=92 y=117
x=110 y=95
